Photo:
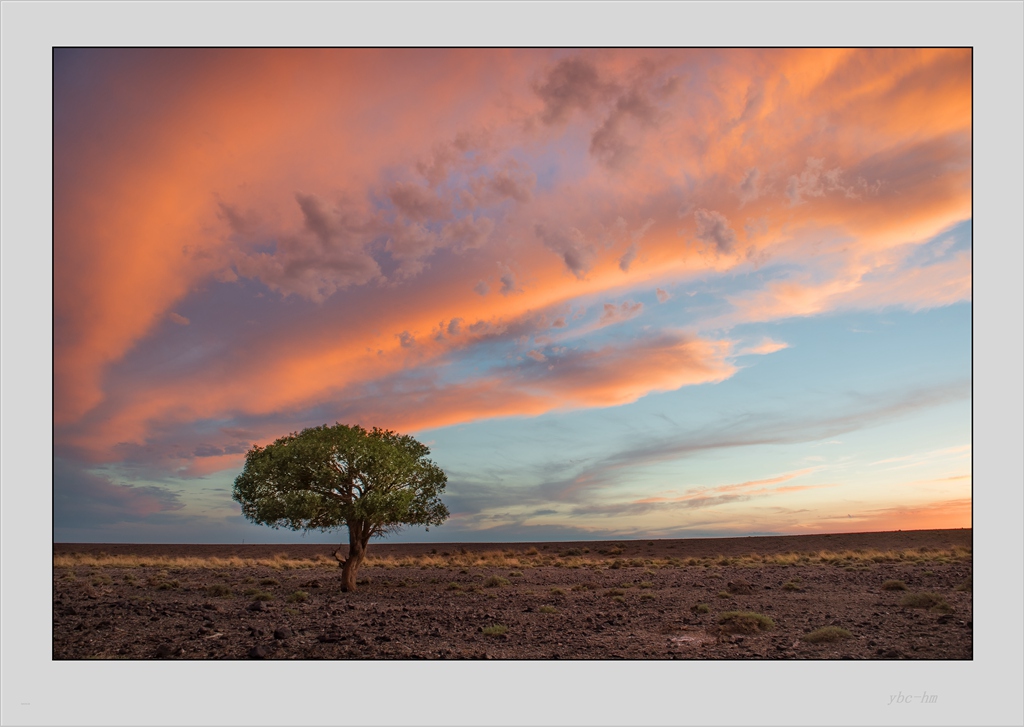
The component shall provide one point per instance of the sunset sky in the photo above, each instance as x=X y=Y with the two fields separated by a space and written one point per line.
x=619 y=293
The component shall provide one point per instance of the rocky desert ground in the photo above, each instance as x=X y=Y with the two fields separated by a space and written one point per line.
x=894 y=595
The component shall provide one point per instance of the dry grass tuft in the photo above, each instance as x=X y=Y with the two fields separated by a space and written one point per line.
x=926 y=599
x=744 y=622
x=827 y=634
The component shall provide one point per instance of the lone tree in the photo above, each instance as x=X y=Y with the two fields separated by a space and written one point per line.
x=372 y=482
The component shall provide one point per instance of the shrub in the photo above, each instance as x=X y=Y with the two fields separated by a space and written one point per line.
x=580 y=587
x=557 y=592
x=724 y=594
x=168 y=586
x=702 y=608
x=571 y=552
x=744 y=622
x=647 y=597
x=965 y=586
x=827 y=634
x=646 y=584
x=515 y=574
x=894 y=586
x=618 y=599
x=496 y=630
x=496 y=582
x=926 y=599
x=548 y=609
x=218 y=590
x=298 y=597
x=262 y=596
x=453 y=586
x=615 y=592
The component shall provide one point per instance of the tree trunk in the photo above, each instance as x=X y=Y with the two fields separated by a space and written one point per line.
x=356 y=554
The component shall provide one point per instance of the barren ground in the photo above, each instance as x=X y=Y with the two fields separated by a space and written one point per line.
x=587 y=600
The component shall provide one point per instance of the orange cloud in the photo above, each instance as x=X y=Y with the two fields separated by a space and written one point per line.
x=381 y=195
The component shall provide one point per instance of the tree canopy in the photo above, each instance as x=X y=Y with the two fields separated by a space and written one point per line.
x=372 y=482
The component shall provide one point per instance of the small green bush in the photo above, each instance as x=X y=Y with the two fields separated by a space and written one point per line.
x=614 y=592
x=702 y=608
x=298 y=597
x=262 y=596
x=619 y=599
x=894 y=586
x=646 y=584
x=453 y=586
x=827 y=634
x=515 y=574
x=647 y=597
x=967 y=586
x=557 y=592
x=496 y=582
x=548 y=609
x=496 y=630
x=218 y=590
x=724 y=594
x=791 y=586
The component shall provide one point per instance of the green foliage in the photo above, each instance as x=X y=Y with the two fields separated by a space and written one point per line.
x=496 y=582
x=548 y=609
x=894 y=586
x=218 y=590
x=702 y=608
x=496 y=630
x=327 y=477
x=298 y=597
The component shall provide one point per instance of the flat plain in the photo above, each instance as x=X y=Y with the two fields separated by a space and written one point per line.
x=890 y=595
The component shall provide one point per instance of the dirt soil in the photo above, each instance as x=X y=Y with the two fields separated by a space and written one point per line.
x=647 y=599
